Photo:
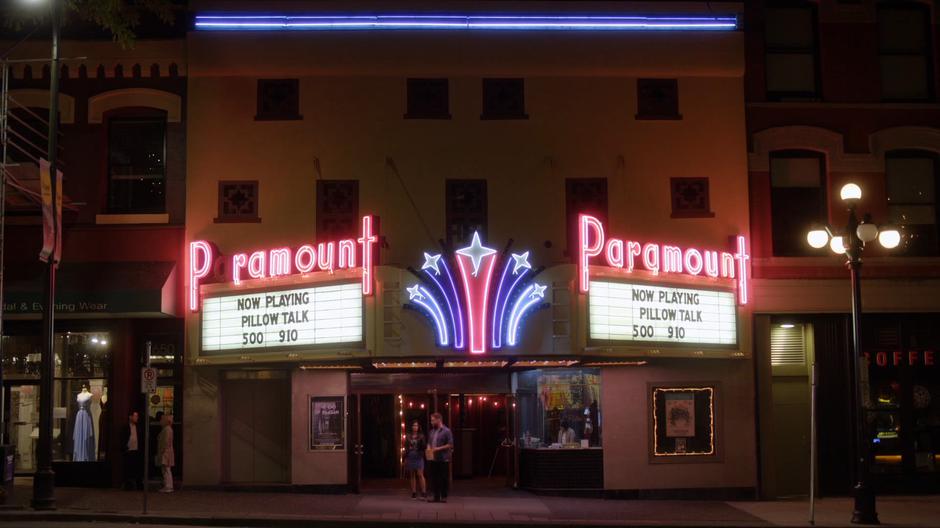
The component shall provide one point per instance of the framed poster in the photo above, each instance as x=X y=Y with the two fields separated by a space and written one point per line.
x=683 y=423
x=327 y=423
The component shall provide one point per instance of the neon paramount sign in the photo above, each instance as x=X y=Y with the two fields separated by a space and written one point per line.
x=655 y=258
x=327 y=257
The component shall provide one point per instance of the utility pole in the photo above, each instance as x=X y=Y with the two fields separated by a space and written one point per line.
x=44 y=479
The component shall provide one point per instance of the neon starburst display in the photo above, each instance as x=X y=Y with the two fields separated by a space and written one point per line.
x=476 y=308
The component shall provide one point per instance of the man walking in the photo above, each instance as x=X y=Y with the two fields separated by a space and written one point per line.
x=131 y=444
x=440 y=445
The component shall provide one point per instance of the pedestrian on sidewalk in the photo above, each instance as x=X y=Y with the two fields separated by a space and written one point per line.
x=414 y=460
x=440 y=445
x=165 y=457
x=132 y=440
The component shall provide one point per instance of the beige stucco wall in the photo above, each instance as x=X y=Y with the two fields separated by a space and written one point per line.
x=314 y=467
x=626 y=435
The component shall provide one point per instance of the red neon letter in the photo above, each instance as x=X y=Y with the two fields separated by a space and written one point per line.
x=239 y=261
x=347 y=254
x=896 y=356
x=366 y=241
x=711 y=263
x=651 y=257
x=279 y=262
x=881 y=359
x=928 y=358
x=693 y=261
x=256 y=265
x=200 y=262
x=586 y=249
x=727 y=265
x=633 y=250
x=305 y=260
x=912 y=357
x=742 y=257
x=672 y=259
x=615 y=252
x=325 y=256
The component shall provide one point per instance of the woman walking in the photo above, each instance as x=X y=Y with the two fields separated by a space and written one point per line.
x=165 y=457
x=414 y=459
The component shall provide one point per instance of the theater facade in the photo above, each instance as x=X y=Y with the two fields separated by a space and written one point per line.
x=551 y=249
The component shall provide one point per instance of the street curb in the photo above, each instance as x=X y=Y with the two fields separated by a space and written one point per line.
x=281 y=522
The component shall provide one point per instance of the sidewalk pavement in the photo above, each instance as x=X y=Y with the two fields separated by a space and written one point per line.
x=489 y=508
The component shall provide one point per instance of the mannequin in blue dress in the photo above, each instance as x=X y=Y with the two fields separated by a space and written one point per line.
x=83 y=437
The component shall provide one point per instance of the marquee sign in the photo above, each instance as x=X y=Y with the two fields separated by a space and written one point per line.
x=476 y=308
x=318 y=315
x=278 y=262
x=621 y=311
x=659 y=258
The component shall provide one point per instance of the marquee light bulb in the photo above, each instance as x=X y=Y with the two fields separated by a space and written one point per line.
x=817 y=238
x=889 y=238
x=836 y=245
x=850 y=191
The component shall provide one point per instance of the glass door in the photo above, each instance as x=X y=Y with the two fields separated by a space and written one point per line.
x=23 y=411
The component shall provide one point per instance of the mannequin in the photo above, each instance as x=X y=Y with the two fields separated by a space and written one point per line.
x=83 y=436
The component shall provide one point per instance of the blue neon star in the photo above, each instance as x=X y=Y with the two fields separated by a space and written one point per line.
x=521 y=261
x=413 y=293
x=538 y=290
x=430 y=262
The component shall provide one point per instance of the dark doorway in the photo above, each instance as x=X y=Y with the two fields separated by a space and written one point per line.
x=378 y=436
x=480 y=423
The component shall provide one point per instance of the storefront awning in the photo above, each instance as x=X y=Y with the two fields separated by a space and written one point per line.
x=94 y=289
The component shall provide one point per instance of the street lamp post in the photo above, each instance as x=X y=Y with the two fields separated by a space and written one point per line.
x=44 y=478
x=851 y=243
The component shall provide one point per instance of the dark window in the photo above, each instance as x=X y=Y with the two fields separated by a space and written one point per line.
x=278 y=99
x=583 y=195
x=657 y=99
x=428 y=99
x=690 y=198
x=797 y=200
x=911 y=181
x=504 y=99
x=238 y=201
x=337 y=209
x=137 y=165
x=790 y=47
x=466 y=210
x=904 y=51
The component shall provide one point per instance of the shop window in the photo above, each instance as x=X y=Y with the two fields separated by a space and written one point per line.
x=238 y=201
x=911 y=181
x=466 y=210
x=504 y=99
x=278 y=100
x=690 y=198
x=797 y=200
x=137 y=165
x=583 y=195
x=559 y=408
x=427 y=99
x=904 y=51
x=657 y=99
x=337 y=209
x=790 y=51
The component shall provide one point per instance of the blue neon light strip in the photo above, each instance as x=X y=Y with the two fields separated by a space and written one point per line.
x=465 y=22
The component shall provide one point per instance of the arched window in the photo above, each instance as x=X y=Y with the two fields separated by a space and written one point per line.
x=911 y=178
x=797 y=199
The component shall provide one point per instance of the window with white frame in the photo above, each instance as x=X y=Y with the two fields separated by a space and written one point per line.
x=911 y=184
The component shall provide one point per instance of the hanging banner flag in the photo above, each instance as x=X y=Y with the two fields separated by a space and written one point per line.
x=51 y=224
